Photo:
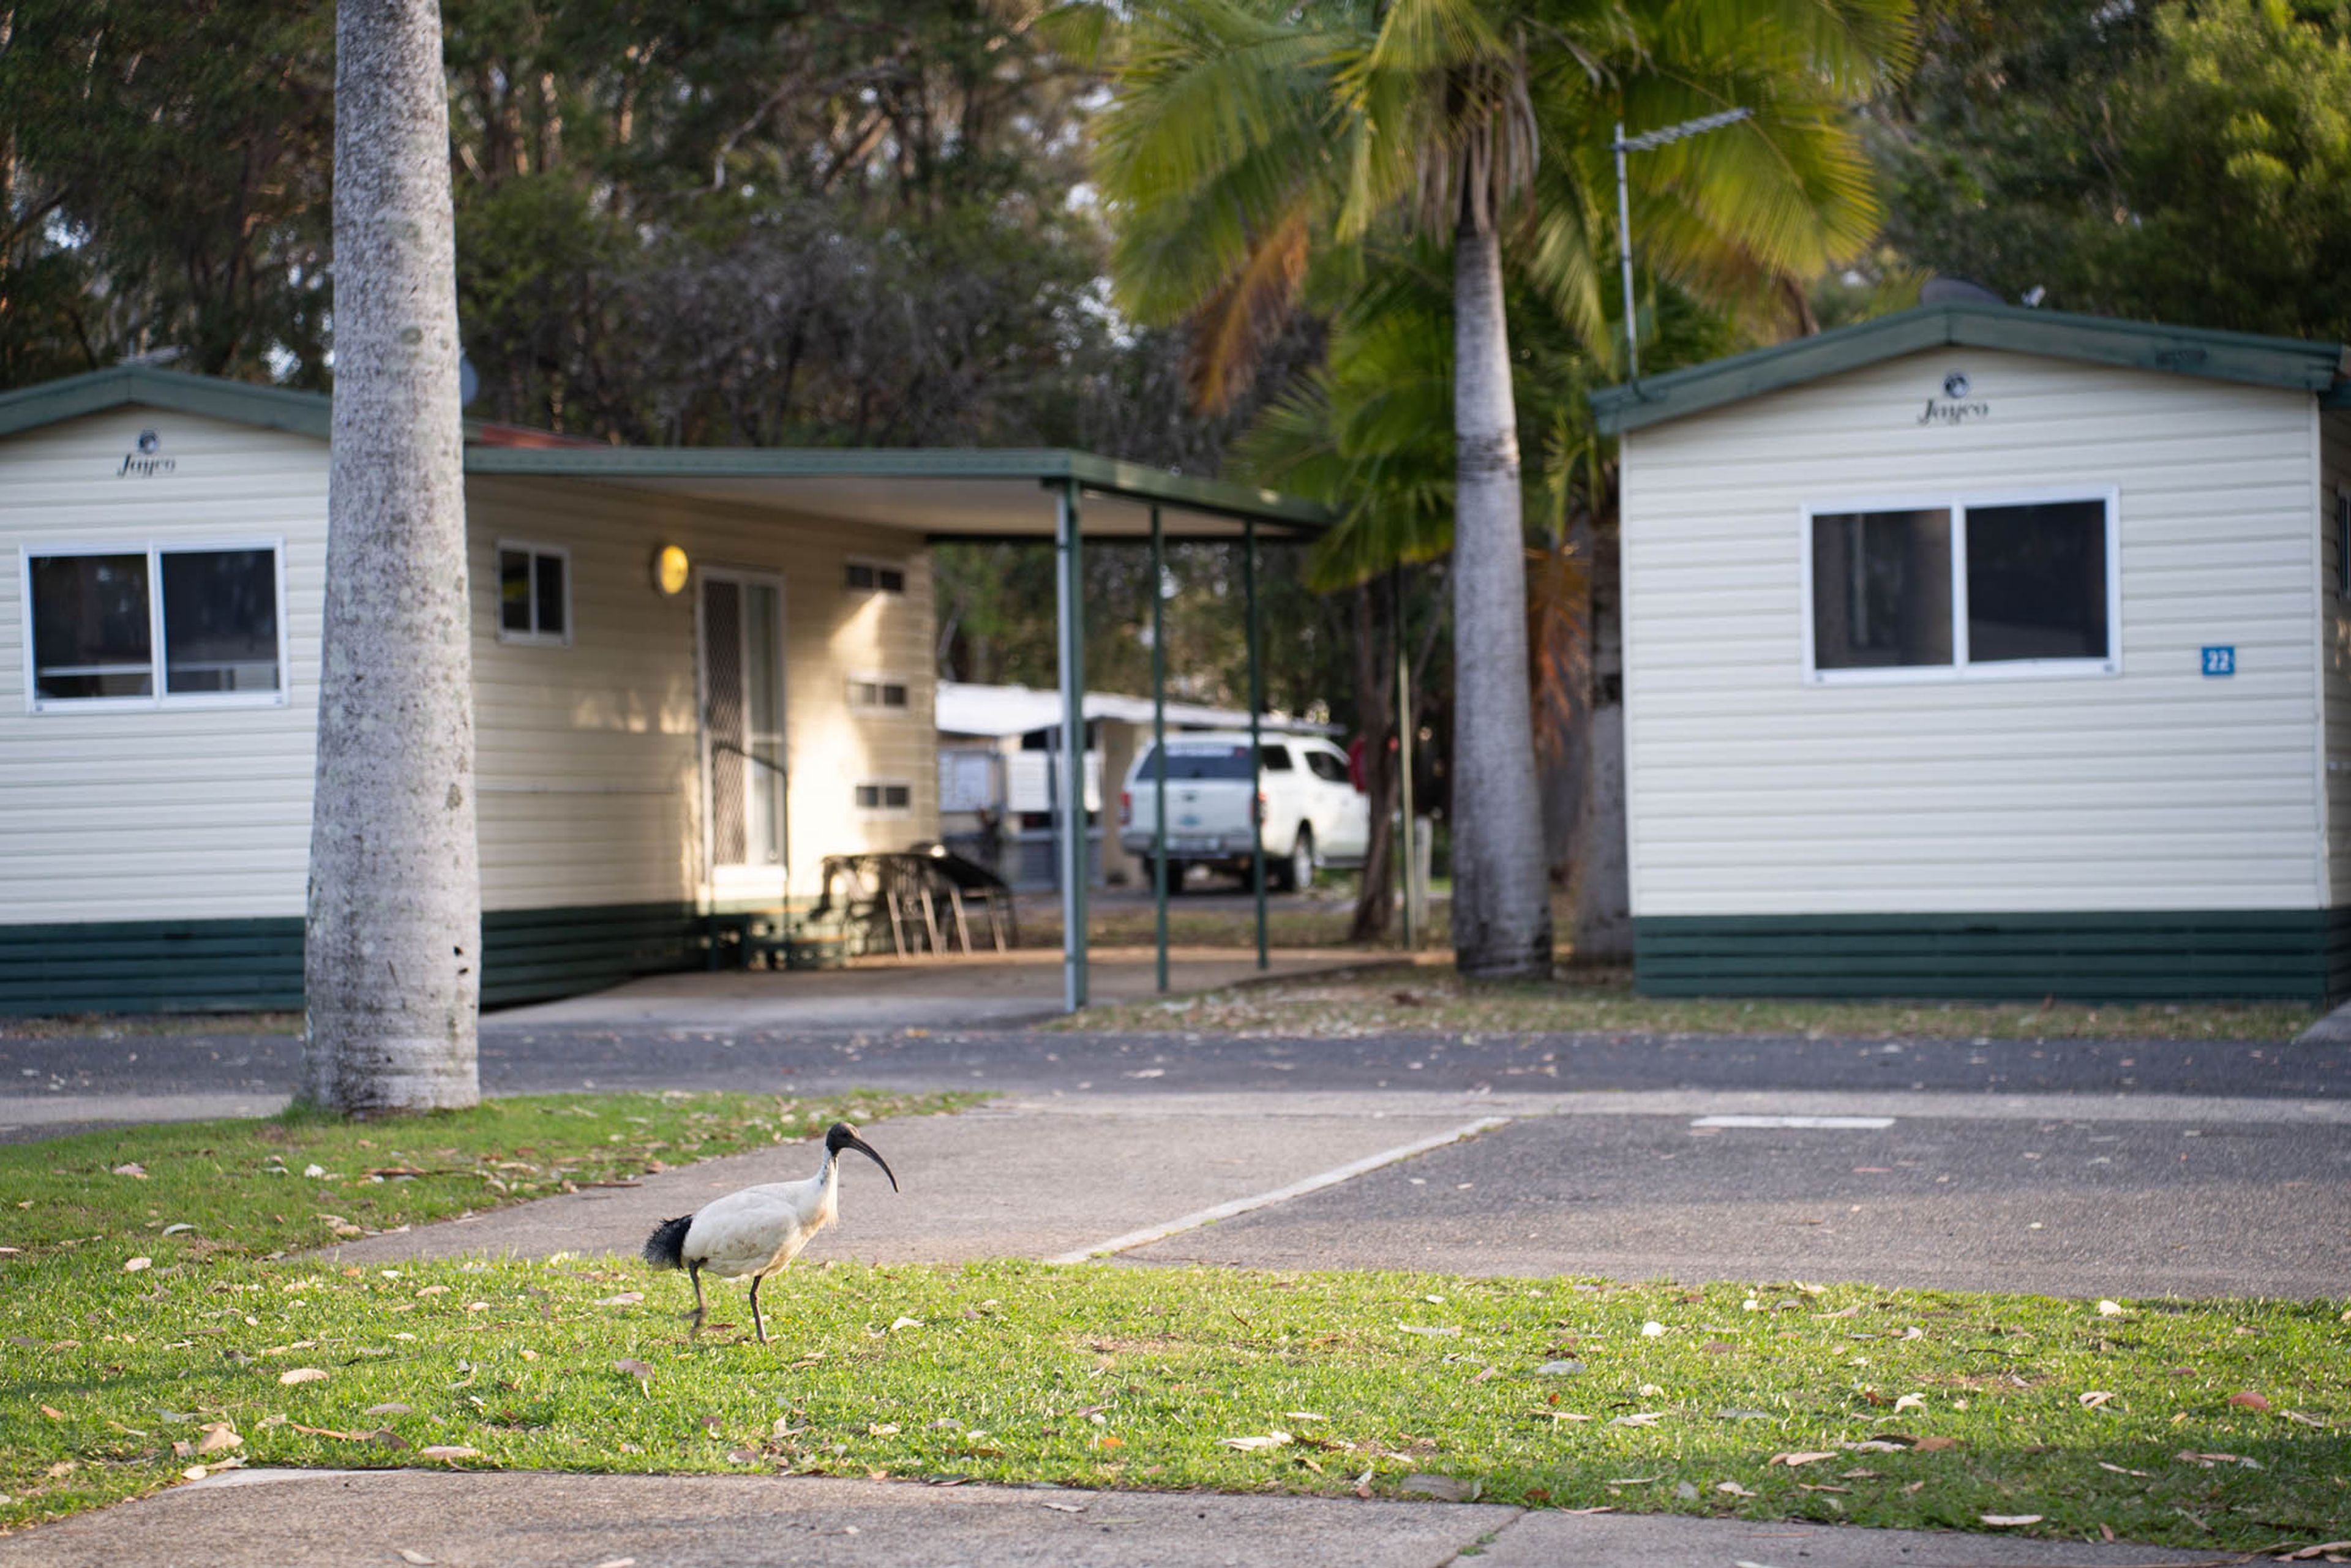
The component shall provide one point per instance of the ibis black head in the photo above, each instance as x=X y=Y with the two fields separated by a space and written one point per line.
x=844 y=1136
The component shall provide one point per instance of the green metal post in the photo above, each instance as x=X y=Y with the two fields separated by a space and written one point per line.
x=1256 y=743
x=1405 y=858
x=1159 y=739
x=1070 y=582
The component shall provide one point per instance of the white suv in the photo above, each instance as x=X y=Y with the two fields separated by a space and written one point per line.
x=1313 y=815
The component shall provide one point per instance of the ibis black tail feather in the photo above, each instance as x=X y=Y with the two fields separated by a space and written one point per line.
x=665 y=1248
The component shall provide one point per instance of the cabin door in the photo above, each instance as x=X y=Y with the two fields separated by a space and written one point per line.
x=747 y=848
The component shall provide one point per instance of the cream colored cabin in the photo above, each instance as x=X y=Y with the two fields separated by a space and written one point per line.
x=649 y=751
x=1987 y=651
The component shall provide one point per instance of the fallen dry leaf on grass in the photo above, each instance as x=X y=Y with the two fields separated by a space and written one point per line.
x=2005 y=1520
x=1251 y=1445
x=292 y=1375
x=1732 y=1488
x=633 y=1368
x=219 y=1438
x=2249 y=1400
x=1792 y=1460
x=451 y=1451
x=132 y=1169
x=2093 y=1398
x=1933 y=1444
x=626 y=1299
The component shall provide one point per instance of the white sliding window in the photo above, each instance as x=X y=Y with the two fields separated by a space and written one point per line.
x=148 y=626
x=1950 y=588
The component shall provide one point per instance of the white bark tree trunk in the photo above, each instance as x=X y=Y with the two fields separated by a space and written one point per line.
x=1501 y=895
x=391 y=966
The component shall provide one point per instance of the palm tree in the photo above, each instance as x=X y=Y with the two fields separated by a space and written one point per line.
x=393 y=956
x=1251 y=136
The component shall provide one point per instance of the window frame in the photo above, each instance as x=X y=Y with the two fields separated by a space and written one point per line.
x=884 y=785
x=531 y=639
x=160 y=698
x=1958 y=503
x=877 y=565
x=878 y=680
x=2340 y=521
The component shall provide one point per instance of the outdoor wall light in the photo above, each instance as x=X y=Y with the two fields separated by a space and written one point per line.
x=671 y=569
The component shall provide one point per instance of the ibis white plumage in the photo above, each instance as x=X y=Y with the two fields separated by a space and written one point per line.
x=759 y=1229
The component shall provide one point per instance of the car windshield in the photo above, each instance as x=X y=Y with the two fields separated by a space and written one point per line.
x=1198 y=761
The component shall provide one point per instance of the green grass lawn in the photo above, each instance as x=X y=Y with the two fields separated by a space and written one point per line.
x=138 y=1352
x=1429 y=998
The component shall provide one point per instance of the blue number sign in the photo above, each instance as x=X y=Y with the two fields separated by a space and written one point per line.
x=2221 y=661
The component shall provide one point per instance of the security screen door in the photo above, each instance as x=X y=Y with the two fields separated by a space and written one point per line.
x=743 y=731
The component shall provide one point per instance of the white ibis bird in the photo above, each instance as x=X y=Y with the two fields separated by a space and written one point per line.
x=759 y=1229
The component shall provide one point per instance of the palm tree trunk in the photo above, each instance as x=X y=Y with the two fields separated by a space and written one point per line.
x=1502 y=902
x=392 y=961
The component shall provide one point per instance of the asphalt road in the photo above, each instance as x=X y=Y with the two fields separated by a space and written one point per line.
x=2077 y=1168
x=519 y=1060
x=2081 y=1206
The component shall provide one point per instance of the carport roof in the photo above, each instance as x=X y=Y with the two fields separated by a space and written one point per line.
x=2242 y=357
x=938 y=492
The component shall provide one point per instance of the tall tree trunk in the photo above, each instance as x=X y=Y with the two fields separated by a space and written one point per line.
x=1502 y=902
x=1375 y=702
x=392 y=962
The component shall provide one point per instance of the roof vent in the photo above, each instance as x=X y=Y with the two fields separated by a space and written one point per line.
x=1944 y=289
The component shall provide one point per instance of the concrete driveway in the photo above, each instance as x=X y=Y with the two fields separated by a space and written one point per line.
x=361 y=1519
x=932 y=993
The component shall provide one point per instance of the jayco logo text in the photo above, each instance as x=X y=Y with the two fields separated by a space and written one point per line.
x=144 y=464
x=1955 y=407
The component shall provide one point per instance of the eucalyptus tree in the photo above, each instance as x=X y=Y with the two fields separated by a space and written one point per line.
x=1252 y=136
x=393 y=956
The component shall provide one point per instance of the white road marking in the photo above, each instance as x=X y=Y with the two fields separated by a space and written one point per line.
x=1347 y=1171
x=1841 y=1123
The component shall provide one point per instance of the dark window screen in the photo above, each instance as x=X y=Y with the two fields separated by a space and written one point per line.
x=220 y=620
x=514 y=589
x=548 y=571
x=2037 y=581
x=1881 y=590
x=90 y=635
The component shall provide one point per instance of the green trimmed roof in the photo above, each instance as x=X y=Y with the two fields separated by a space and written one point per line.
x=308 y=413
x=2241 y=357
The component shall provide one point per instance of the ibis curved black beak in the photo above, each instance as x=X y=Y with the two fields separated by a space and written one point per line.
x=863 y=1147
x=842 y=1136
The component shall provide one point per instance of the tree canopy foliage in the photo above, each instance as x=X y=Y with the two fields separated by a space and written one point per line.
x=709 y=222
x=2187 y=163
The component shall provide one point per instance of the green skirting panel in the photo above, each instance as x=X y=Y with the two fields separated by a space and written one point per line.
x=2192 y=956
x=242 y=966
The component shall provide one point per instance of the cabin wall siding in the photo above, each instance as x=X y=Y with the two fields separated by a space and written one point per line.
x=158 y=814
x=158 y=858
x=589 y=755
x=1755 y=792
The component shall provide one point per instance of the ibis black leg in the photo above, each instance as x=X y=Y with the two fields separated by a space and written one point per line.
x=757 y=1327
x=694 y=1273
